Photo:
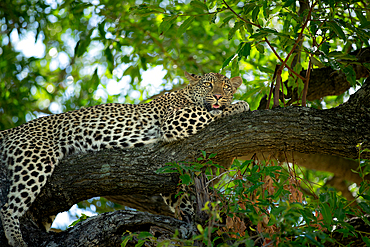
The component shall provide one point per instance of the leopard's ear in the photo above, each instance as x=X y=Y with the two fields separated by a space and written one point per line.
x=193 y=79
x=236 y=82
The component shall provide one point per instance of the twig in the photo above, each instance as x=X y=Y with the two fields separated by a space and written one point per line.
x=241 y=18
x=305 y=88
x=268 y=43
x=219 y=176
x=277 y=88
x=299 y=37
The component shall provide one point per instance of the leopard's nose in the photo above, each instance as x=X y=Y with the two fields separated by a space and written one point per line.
x=218 y=96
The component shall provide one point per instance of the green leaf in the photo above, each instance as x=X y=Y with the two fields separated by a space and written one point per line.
x=184 y=26
x=336 y=29
x=277 y=210
x=226 y=20
x=212 y=156
x=245 y=163
x=258 y=35
x=265 y=10
x=316 y=62
x=272 y=31
x=260 y=48
x=82 y=44
x=167 y=169
x=251 y=92
x=186 y=179
x=350 y=75
x=95 y=81
x=110 y=60
x=278 y=192
x=255 y=12
x=145 y=235
x=365 y=207
x=288 y=3
x=235 y=68
x=246 y=51
x=234 y=29
x=204 y=154
x=326 y=213
x=101 y=29
x=365 y=25
x=140 y=243
x=126 y=239
x=325 y=47
x=366 y=240
x=214 y=17
x=267 y=70
x=312 y=239
x=360 y=16
x=227 y=61
x=248 y=8
x=166 y=24
x=366 y=197
x=199 y=5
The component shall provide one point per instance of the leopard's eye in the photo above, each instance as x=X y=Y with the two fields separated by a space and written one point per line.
x=207 y=84
x=226 y=86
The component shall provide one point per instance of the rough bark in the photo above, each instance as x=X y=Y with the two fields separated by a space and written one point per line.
x=132 y=172
x=105 y=230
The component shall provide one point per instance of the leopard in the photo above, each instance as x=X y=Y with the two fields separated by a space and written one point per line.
x=32 y=150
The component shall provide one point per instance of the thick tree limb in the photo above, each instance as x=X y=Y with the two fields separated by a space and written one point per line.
x=105 y=229
x=131 y=172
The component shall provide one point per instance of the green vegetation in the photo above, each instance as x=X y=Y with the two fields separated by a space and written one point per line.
x=87 y=44
x=262 y=203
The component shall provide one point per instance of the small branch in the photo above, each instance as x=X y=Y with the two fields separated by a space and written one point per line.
x=268 y=43
x=241 y=18
x=277 y=88
x=305 y=89
x=281 y=60
x=297 y=42
x=217 y=177
x=270 y=94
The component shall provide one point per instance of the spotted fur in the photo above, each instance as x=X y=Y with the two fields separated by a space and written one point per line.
x=31 y=151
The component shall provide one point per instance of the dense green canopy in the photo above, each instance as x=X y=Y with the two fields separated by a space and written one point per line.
x=85 y=45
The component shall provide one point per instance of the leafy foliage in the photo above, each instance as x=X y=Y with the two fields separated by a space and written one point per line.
x=88 y=44
x=273 y=199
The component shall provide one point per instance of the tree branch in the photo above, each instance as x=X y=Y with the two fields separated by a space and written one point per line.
x=105 y=229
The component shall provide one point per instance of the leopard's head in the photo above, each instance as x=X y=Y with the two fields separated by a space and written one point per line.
x=212 y=91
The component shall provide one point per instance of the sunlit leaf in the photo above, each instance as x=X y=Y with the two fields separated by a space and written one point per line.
x=255 y=12
x=166 y=24
x=326 y=213
x=199 y=5
x=227 y=61
x=260 y=48
x=350 y=75
x=185 y=25
x=336 y=29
